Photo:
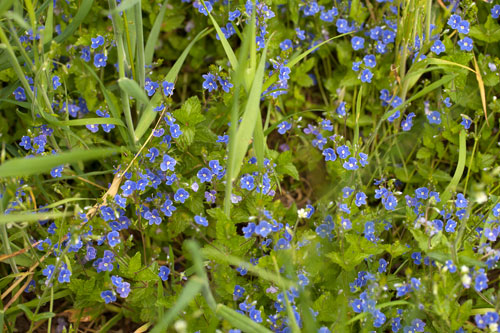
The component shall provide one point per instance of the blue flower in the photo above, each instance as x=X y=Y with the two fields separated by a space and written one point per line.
x=329 y=154
x=450 y=226
x=114 y=238
x=356 y=65
x=85 y=54
x=283 y=127
x=366 y=76
x=422 y=193
x=463 y=27
x=390 y=202
x=201 y=220
x=64 y=275
x=168 y=88
x=234 y=15
x=454 y=21
x=247 y=182
x=181 y=195
x=346 y=223
x=55 y=82
x=167 y=208
x=466 y=122
x=417 y=258
x=128 y=188
x=480 y=323
x=360 y=199
x=495 y=11
x=205 y=175
x=19 y=94
x=357 y=43
x=370 y=60
x=284 y=73
x=152 y=154
x=168 y=163
x=363 y=159
x=351 y=164
x=248 y=230
x=286 y=44
x=382 y=265
x=256 y=316
x=466 y=44
x=25 y=142
x=100 y=60
x=225 y=84
x=434 y=117
x=48 y=271
x=96 y=42
x=300 y=33
x=461 y=202
x=153 y=217
x=203 y=10
x=343 y=151
x=150 y=87
x=108 y=296
x=164 y=273
x=451 y=267
x=481 y=281
x=238 y=292
x=346 y=192
x=263 y=228
x=56 y=172
x=496 y=210
x=210 y=82
x=175 y=131
x=123 y=289
x=438 y=47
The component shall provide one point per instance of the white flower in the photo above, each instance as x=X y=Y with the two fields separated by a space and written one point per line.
x=302 y=213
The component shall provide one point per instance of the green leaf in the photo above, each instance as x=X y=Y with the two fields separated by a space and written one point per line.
x=133 y=89
x=39 y=164
x=27 y=311
x=190 y=112
x=489 y=32
x=134 y=264
x=44 y=315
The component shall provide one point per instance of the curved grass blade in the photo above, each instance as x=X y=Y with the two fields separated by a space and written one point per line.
x=482 y=92
x=225 y=44
x=249 y=120
x=189 y=292
x=35 y=165
x=149 y=115
x=31 y=217
x=133 y=89
x=153 y=35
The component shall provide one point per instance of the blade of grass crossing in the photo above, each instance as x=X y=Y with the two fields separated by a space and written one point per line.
x=117 y=30
x=188 y=293
x=140 y=57
x=250 y=117
x=462 y=155
x=225 y=44
x=482 y=92
x=133 y=89
x=233 y=127
x=30 y=166
x=193 y=247
x=49 y=24
x=148 y=115
x=153 y=35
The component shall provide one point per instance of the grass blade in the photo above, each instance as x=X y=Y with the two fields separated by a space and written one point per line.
x=149 y=115
x=153 y=35
x=140 y=61
x=31 y=217
x=189 y=292
x=90 y=121
x=39 y=164
x=133 y=89
x=225 y=44
x=249 y=120
x=462 y=154
x=124 y=5
x=482 y=92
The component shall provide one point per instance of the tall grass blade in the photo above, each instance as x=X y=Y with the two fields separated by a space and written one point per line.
x=240 y=321
x=189 y=292
x=225 y=44
x=21 y=166
x=133 y=89
x=153 y=35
